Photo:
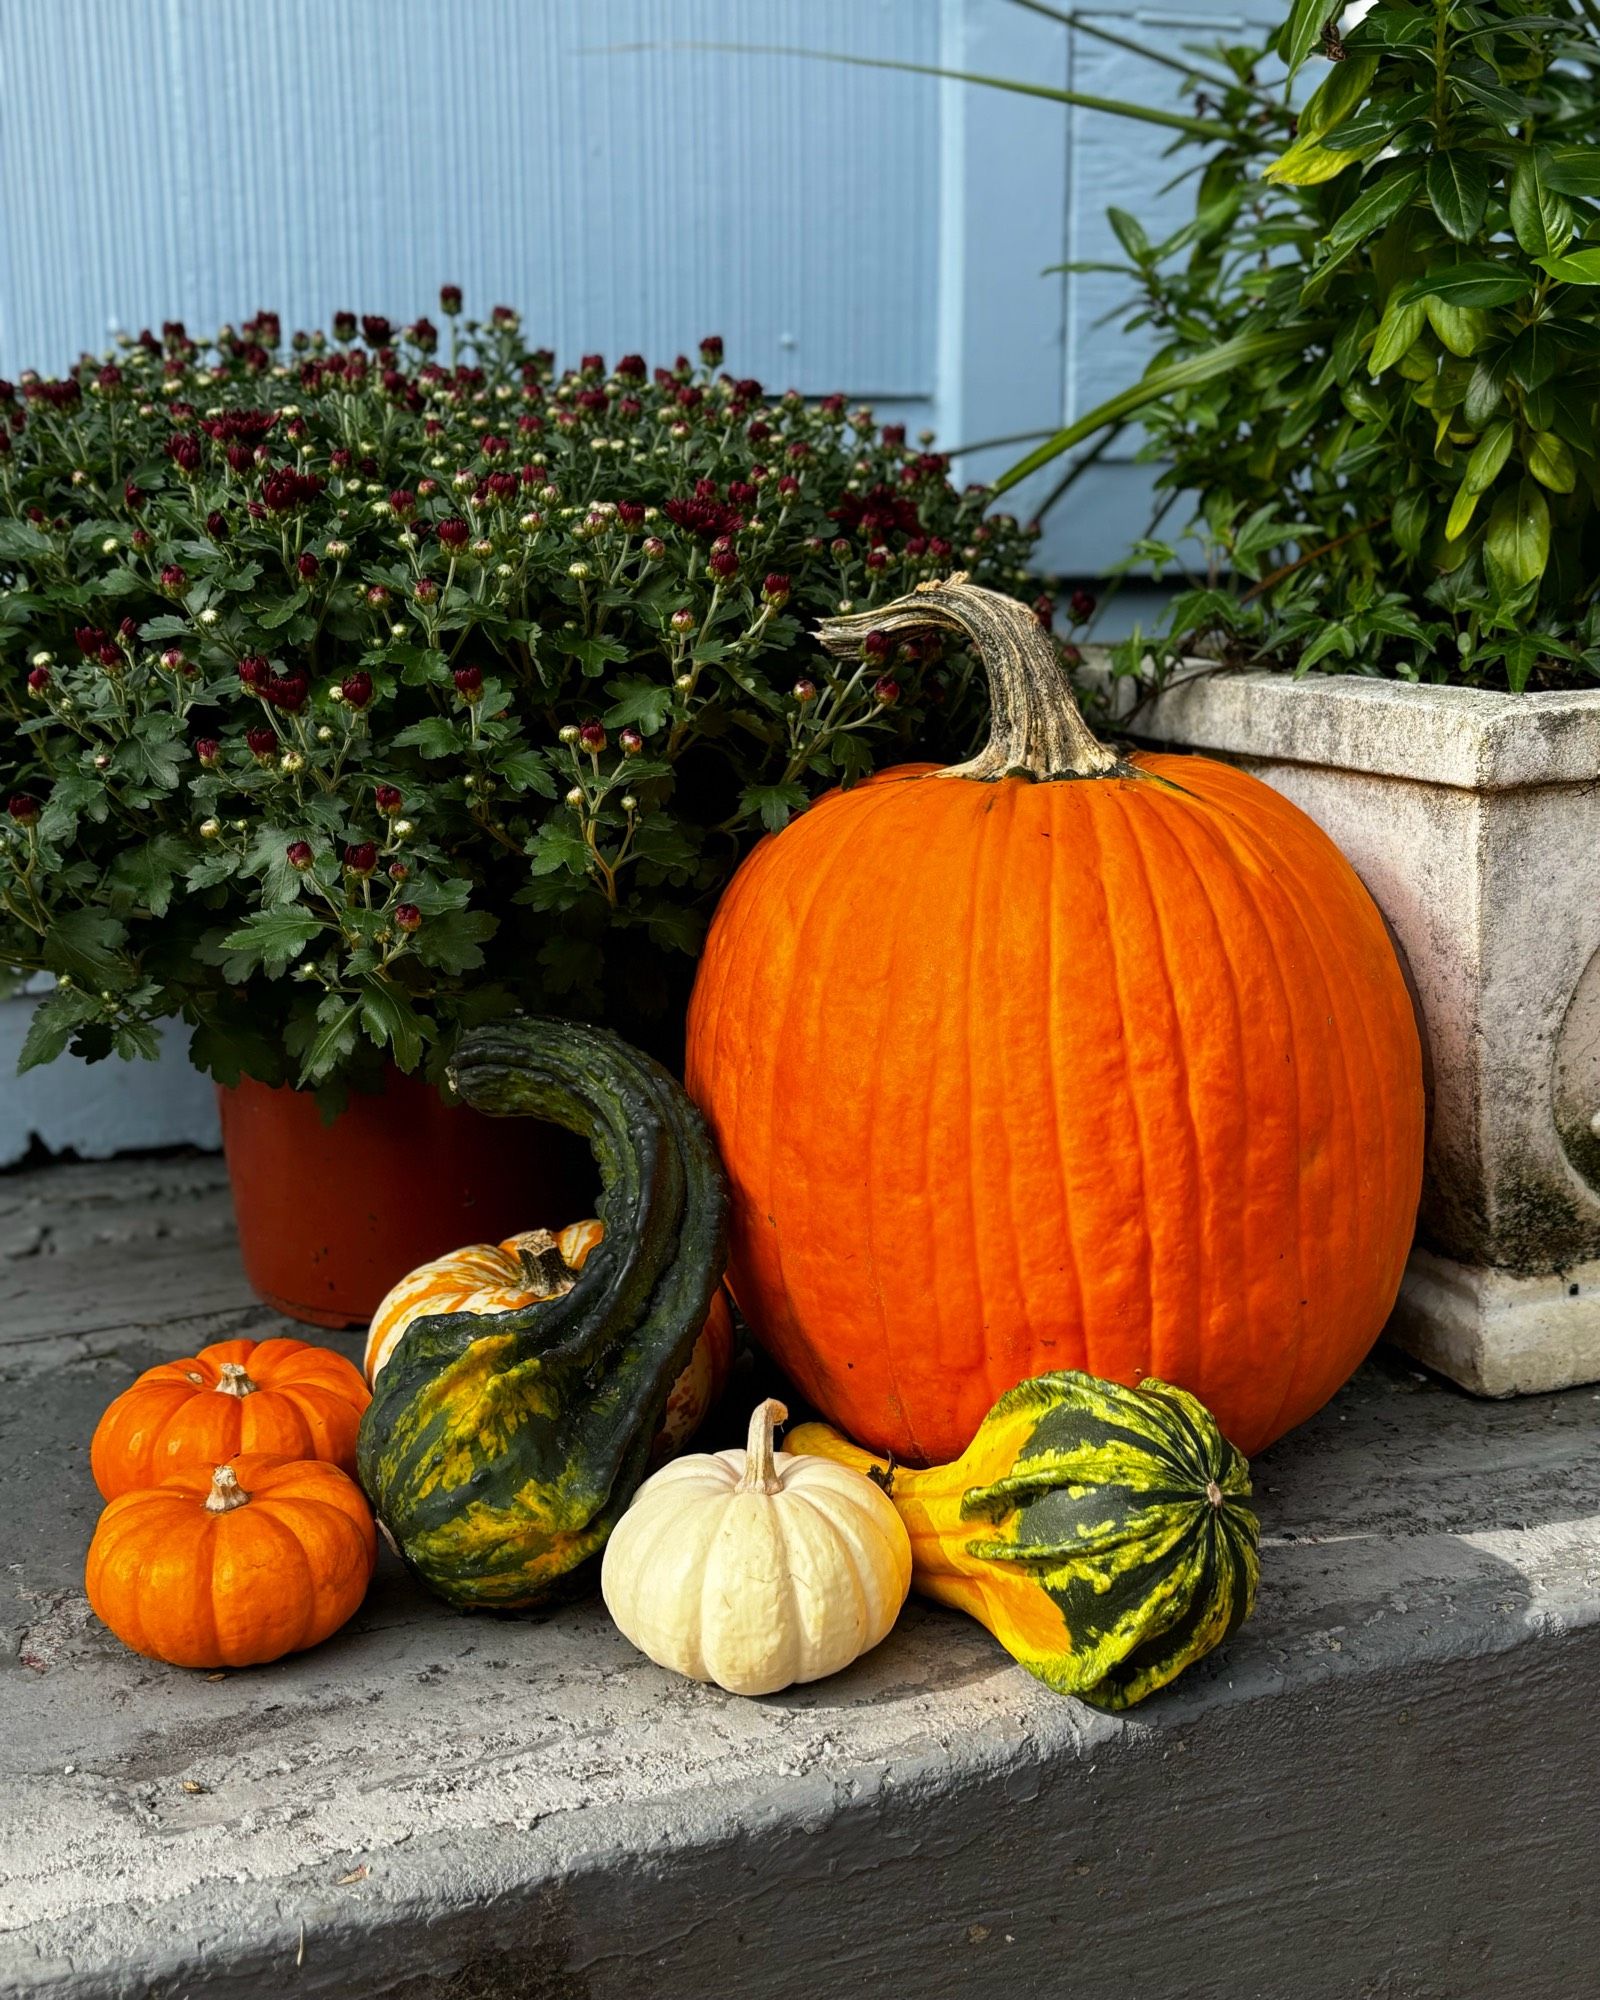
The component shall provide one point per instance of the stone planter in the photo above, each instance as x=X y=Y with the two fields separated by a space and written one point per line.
x=1474 y=819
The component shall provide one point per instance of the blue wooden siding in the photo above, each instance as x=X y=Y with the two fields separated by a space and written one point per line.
x=842 y=227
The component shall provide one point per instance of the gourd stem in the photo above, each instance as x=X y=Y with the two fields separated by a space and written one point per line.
x=1035 y=728
x=235 y=1382
x=760 y=1472
x=226 y=1492
x=544 y=1269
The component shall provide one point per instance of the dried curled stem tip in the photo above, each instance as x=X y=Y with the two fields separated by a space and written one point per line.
x=760 y=1470
x=1035 y=728
x=544 y=1269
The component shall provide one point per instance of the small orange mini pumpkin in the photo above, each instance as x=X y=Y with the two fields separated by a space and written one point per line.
x=286 y=1397
x=233 y=1565
x=504 y=1277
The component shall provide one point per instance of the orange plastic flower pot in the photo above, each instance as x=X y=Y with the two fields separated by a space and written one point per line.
x=330 y=1216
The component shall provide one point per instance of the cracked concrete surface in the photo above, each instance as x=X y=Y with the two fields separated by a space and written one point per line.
x=1386 y=1785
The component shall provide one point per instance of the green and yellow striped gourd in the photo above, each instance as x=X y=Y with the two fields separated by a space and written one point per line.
x=500 y=1449
x=1099 y=1532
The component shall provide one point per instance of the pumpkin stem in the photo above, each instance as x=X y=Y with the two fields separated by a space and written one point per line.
x=760 y=1473
x=235 y=1382
x=1035 y=729
x=544 y=1269
x=226 y=1492
x=1213 y=1493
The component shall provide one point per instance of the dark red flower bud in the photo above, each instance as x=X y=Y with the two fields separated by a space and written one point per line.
x=399 y=872
x=184 y=451
x=449 y=300
x=469 y=682
x=376 y=329
x=631 y=513
x=378 y=595
x=839 y=547
x=90 y=638
x=788 y=486
x=776 y=589
x=23 y=809
x=388 y=798
x=632 y=742
x=591 y=737
x=425 y=590
x=722 y=563
x=805 y=691
x=339 y=460
x=1071 y=658
x=173 y=660
x=631 y=368
x=938 y=548
x=38 y=679
x=894 y=434
x=403 y=502
x=886 y=691
x=307 y=566
x=502 y=486
x=877 y=646
x=917 y=545
x=356 y=689
x=758 y=432
x=256 y=511
x=454 y=533
x=287 y=692
x=407 y=917
x=209 y=751
x=505 y=316
x=1082 y=606
x=217 y=526
x=133 y=496
x=361 y=857
x=109 y=656
x=261 y=743
x=298 y=854
x=174 y=577
x=876 y=559
x=254 y=671
x=8 y=392
x=592 y=364
x=1044 y=609
x=596 y=401
x=344 y=326
x=711 y=350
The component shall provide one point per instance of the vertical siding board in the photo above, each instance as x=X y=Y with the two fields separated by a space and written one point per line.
x=203 y=158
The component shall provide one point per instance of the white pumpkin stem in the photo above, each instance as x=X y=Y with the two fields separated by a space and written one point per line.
x=226 y=1492
x=760 y=1472
x=235 y=1382
x=1035 y=729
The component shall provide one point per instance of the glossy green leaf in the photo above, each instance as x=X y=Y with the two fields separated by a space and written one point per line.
x=1479 y=283
x=1516 y=546
x=1541 y=220
x=1489 y=454
x=1462 y=509
x=1534 y=357
x=1485 y=393
x=1401 y=323
x=1408 y=521
x=1371 y=209
x=1458 y=188
x=1577 y=267
x=1337 y=96
x=1307 y=163
x=1301 y=33
x=1573 y=170
x=1550 y=461
x=1463 y=329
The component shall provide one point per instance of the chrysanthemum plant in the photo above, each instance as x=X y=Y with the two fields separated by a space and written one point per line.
x=355 y=693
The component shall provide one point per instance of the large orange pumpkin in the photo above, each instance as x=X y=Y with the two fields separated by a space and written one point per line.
x=1056 y=1060
x=282 y=1396
x=539 y=1264
x=235 y=1564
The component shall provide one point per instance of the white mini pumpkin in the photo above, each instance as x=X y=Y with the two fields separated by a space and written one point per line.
x=755 y=1569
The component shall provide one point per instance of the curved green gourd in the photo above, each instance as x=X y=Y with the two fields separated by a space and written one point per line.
x=1101 y=1532
x=500 y=1449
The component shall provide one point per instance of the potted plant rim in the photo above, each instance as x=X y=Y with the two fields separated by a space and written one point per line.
x=363 y=687
x=1376 y=390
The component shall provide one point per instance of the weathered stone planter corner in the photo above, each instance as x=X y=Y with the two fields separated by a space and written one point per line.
x=1474 y=819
